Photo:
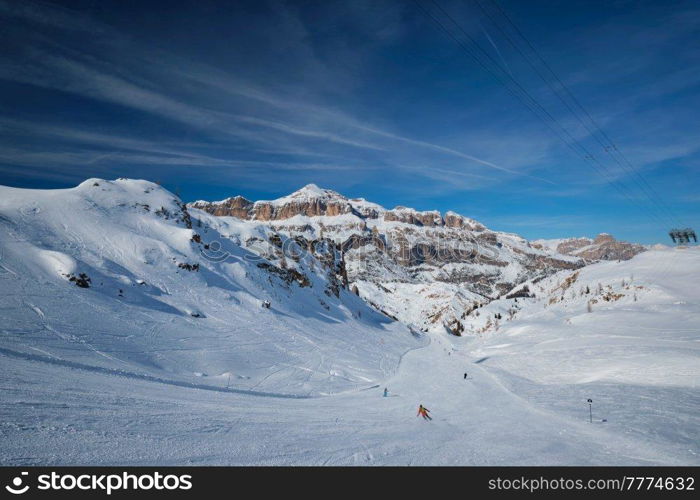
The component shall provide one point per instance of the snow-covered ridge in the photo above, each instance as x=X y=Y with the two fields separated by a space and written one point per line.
x=427 y=268
x=306 y=193
x=120 y=275
x=134 y=333
x=621 y=303
x=310 y=192
x=602 y=247
x=314 y=201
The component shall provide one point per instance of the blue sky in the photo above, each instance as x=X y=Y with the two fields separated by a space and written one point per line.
x=369 y=98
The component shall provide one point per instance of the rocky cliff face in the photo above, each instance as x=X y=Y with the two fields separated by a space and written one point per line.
x=426 y=269
x=602 y=247
x=309 y=201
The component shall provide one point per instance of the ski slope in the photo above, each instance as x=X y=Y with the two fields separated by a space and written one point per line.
x=144 y=314
x=94 y=376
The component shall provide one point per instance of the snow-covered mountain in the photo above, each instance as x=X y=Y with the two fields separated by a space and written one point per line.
x=120 y=275
x=609 y=306
x=602 y=247
x=133 y=332
x=428 y=270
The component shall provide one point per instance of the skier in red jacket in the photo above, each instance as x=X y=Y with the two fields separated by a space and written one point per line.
x=423 y=412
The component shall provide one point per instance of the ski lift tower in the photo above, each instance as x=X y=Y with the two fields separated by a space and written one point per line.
x=682 y=237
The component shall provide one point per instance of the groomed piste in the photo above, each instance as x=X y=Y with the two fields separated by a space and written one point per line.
x=125 y=341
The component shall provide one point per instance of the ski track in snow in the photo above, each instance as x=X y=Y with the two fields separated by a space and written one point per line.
x=120 y=373
x=91 y=377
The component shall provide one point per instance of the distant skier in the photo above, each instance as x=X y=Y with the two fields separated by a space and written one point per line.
x=465 y=376
x=386 y=392
x=423 y=412
x=266 y=304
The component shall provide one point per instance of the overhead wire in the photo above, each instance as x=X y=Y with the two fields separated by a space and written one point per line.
x=517 y=90
x=591 y=126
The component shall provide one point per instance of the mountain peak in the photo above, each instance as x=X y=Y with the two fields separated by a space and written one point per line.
x=314 y=190
x=311 y=192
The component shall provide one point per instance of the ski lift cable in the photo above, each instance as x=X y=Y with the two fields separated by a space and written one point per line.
x=587 y=155
x=591 y=125
x=597 y=165
x=538 y=110
x=601 y=137
x=532 y=104
x=612 y=147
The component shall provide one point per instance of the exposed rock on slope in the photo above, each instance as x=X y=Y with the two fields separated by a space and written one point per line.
x=602 y=247
x=309 y=201
x=420 y=267
x=121 y=276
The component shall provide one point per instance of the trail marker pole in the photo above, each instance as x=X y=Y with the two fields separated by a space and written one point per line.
x=590 y=410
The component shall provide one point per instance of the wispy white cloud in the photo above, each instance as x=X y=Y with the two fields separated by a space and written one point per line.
x=282 y=121
x=311 y=120
x=49 y=15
